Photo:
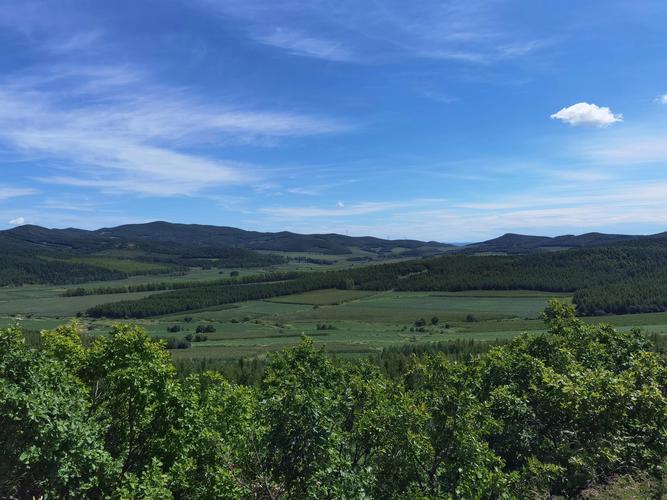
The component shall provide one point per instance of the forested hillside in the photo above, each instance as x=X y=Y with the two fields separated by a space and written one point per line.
x=522 y=244
x=31 y=254
x=599 y=276
x=285 y=241
x=542 y=415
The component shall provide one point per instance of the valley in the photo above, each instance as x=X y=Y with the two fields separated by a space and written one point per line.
x=353 y=303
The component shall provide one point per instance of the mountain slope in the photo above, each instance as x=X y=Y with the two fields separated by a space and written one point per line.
x=511 y=243
x=284 y=241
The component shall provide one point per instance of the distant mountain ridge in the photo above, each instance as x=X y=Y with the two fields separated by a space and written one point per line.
x=196 y=235
x=512 y=243
x=284 y=241
x=160 y=234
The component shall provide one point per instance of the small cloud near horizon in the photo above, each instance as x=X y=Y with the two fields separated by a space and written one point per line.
x=18 y=221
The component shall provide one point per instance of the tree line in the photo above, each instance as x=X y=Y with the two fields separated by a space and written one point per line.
x=542 y=415
x=177 y=285
x=189 y=299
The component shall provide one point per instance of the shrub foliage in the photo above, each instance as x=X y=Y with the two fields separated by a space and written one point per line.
x=541 y=415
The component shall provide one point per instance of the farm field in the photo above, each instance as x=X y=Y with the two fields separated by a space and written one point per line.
x=346 y=322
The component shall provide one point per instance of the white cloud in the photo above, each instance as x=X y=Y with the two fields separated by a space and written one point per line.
x=18 y=221
x=584 y=113
x=663 y=99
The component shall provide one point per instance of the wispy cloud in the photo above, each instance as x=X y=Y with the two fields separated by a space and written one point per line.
x=440 y=97
x=75 y=42
x=338 y=210
x=8 y=192
x=619 y=207
x=299 y=44
x=632 y=149
x=342 y=209
x=116 y=131
x=467 y=31
x=481 y=53
x=305 y=191
x=581 y=175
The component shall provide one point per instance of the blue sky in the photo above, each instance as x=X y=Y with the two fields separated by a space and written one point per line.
x=444 y=120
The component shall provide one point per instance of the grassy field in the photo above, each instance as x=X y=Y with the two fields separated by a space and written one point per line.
x=323 y=297
x=347 y=322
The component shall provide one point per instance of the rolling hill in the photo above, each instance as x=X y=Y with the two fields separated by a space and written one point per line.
x=511 y=243
x=34 y=254
x=164 y=235
x=284 y=241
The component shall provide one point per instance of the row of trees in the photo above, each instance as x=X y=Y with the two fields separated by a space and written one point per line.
x=178 y=285
x=543 y=414
x=200 y=297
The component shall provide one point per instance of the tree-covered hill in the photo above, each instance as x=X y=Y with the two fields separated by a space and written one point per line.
x=32 y=254
x=285 y=241
x=524 y=244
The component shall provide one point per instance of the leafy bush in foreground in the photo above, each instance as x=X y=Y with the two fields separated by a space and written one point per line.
x=543 y=414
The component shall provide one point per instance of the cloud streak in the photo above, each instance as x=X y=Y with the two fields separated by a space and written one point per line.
x=464 y=31
x=9 y=192
x=114 y=130
x=299 y=44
